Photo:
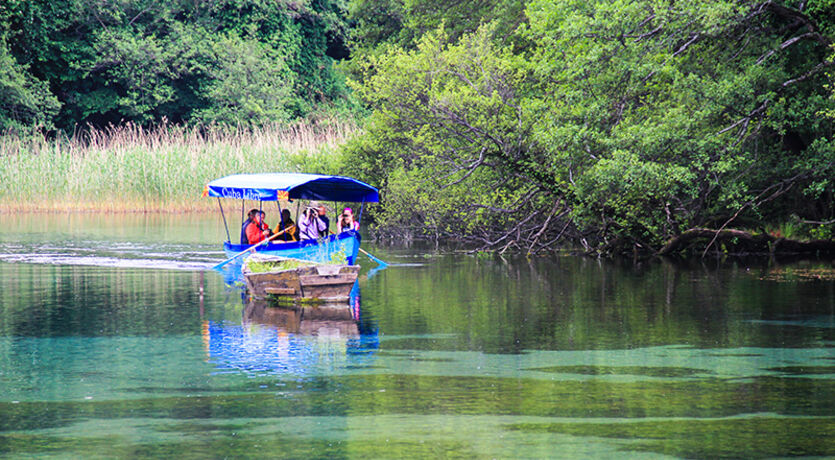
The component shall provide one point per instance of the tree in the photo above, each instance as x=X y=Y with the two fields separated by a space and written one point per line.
x=450 y=142
x=722 y=89
x=25 y=101
x=145 y=61
x=622 y=123
x=248 y=85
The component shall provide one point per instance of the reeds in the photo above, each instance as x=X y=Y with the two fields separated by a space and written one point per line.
x=130 y=168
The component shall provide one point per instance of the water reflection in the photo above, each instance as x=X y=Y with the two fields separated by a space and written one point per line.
x=476 y=357
x=295 y=340
x=321 y=320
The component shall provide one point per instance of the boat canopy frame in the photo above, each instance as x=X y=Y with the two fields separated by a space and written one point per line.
x=289 y=186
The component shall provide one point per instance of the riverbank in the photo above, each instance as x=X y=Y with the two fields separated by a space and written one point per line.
x=132 y=169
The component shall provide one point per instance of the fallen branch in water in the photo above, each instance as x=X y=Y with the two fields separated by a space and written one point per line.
x=740 y=241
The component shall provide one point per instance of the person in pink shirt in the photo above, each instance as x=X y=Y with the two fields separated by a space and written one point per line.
x=346 y=222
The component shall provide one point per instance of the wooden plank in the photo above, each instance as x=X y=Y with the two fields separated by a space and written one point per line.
x=324 y=280
x=280 y=291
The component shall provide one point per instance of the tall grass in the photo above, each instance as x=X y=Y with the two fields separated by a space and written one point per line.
x=129 y=168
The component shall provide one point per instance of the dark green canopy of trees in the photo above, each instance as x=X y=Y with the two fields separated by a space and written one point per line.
x=99 y=62
x=617 y=125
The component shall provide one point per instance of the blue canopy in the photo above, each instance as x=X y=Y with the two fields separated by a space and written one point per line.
x=284 y=186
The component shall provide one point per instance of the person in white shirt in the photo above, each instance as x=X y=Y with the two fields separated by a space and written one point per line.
x=311 y=225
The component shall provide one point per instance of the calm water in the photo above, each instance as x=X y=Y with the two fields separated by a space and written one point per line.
x=108 y=349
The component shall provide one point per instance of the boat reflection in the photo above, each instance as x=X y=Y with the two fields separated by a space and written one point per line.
x=292 y=340
x=326 y=320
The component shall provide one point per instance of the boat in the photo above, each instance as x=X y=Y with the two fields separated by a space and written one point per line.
x=289 y=187
x=267 y=275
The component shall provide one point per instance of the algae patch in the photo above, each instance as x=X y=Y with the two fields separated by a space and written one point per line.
x=749 y=437
x=646 y=371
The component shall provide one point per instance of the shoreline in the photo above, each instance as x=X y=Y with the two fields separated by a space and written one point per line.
x=791 y=249
x=174 y=209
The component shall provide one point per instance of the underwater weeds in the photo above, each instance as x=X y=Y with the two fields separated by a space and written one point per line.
x=163 y=169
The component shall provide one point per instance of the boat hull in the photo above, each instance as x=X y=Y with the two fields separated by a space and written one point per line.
x=322 y=250
x=315 y=282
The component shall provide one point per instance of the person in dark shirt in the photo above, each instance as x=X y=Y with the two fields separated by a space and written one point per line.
x=324 y=218
x=291 y=233
x=245 y=224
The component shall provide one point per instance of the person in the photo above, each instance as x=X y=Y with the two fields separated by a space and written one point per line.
x=257 y=230
x=311 y=226
x=346 y=221
x=245 y=224
x=324 y=218
x=291 y=233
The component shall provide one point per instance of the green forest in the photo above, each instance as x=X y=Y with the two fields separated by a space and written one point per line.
x=614 y=126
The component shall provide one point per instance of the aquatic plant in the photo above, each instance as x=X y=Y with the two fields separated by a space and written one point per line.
x=131 y=168
x=338 y=257
x=263 y=266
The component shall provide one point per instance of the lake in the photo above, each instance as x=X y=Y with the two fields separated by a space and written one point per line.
x=116 y=343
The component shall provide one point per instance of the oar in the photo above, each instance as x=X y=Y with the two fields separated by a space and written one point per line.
x=379 y=262
x=249 y=249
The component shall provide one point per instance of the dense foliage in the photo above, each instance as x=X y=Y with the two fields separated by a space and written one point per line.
x=75 y=62
x=618 y=125
x=614 y=124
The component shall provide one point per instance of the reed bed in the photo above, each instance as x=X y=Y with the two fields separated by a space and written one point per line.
x=133 y=169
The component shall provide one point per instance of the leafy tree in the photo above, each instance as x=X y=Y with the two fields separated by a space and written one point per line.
x=249 y=85
x=25 y=101
x=379 y=24
x=723 y=89
x=449 y=140
x=627 y=121
x=144 y=61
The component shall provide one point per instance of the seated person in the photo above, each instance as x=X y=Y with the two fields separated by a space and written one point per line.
x=311 y=225
x=257 y=230
x=249 y=218
x=324 y=218
x=291 y=233
x=346 y=222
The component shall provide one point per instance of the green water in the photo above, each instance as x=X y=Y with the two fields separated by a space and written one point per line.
x=114 y=343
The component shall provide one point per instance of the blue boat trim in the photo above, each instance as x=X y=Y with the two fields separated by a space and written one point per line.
x=321 y=250
x=289 y=186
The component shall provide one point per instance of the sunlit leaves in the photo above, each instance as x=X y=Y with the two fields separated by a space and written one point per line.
x=646 y=117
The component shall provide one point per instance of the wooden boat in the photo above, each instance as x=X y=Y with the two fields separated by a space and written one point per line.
x=312 y=281
x=288 y=187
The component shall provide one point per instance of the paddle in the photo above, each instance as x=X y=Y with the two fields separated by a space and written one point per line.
x=249 y=249
x=379 y=262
